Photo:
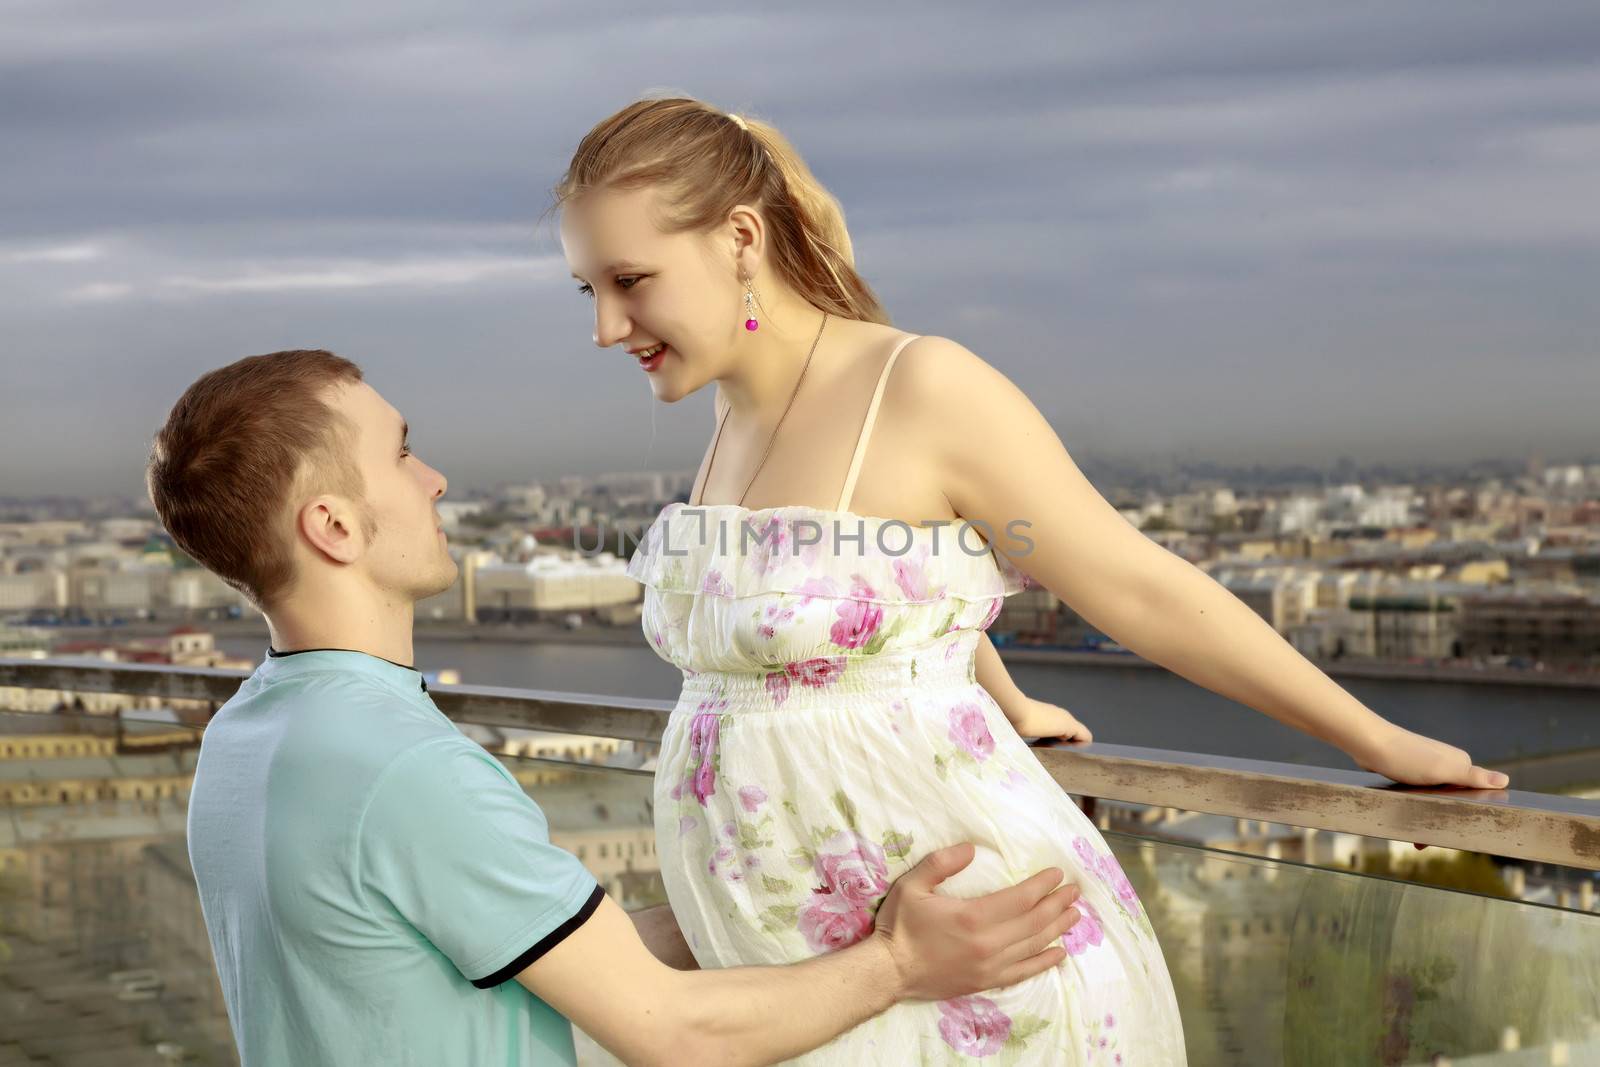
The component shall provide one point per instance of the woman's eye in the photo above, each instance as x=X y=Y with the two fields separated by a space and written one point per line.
x=586 y=289
x=627 y=282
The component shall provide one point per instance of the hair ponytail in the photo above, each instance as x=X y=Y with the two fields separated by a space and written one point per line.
x=706 y=162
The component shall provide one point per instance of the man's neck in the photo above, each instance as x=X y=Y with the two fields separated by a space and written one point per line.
x=376 y=625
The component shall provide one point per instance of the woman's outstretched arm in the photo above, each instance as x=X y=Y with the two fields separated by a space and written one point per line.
x=1001 y=464
x=1029 y=717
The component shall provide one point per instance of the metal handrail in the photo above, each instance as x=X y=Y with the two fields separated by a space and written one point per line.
x=1536 y=827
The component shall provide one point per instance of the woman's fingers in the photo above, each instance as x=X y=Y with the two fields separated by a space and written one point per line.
x=1483 y=778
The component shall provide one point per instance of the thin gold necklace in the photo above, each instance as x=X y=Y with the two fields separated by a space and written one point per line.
x=774 y=435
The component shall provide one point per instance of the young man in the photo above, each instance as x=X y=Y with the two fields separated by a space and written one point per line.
x=373 y=881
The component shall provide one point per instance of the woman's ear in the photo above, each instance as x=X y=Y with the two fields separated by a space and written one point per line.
x=749 y=231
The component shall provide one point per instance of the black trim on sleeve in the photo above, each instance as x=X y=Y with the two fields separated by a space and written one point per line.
x=545 y=943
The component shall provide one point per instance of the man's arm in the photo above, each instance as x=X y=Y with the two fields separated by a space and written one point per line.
x=925 y=946
x=658 y=929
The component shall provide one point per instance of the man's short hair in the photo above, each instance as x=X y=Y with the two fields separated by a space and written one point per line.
x=241 y=446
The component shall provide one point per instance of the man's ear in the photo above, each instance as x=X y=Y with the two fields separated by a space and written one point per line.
x=332 y=527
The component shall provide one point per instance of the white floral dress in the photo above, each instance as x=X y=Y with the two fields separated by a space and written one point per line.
x=831 y=733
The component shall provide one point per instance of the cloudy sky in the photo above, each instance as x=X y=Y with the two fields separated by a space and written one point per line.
x=1238 y=230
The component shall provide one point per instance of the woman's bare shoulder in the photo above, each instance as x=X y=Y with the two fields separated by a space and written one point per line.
x=941 y=378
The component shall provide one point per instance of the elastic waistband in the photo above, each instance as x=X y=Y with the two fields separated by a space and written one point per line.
x=827 y=680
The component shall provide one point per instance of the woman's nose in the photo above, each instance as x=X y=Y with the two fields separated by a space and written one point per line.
x=610 y=324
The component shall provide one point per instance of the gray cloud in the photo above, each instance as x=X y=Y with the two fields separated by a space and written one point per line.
x=1242 y=229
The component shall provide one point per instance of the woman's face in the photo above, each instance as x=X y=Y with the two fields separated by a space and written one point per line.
x=653 y=289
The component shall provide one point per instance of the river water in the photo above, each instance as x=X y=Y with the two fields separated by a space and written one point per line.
x=1122 y=704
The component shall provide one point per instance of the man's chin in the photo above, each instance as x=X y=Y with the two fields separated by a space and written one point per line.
x=444 y=581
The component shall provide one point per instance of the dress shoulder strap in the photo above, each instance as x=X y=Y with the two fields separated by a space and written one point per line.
x=866 y=426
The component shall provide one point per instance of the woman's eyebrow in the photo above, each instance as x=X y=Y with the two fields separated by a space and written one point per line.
x=620 y=267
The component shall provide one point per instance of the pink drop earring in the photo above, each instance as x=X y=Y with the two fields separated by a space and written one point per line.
x=750 y=322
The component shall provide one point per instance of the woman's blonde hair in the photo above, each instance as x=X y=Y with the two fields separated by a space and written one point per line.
x=705 y=162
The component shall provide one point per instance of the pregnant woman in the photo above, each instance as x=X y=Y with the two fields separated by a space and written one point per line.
x=863 y=509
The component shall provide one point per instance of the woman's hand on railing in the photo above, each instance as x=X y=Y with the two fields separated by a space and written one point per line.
x=1035 y=718
x=1412 y=759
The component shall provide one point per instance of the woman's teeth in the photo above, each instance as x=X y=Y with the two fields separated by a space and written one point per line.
x=651 y=351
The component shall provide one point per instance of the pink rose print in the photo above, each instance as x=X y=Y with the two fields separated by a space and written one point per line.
x=853 y=867
x=767 y=542
x=722 y=865
x=775 y=614
x=829 y=923
x=702 y=747
x=1086 y=933
x=858 y=619
x=752 y=797
x=911 y=579
x=687 y=823
x=705 y=782
x=1106 y=867
x=973 y=1026
x=702 y=734
x=818 y=672
x=992 y=614
x=778 y=687
x=813 y=588
x=716 y=584
x=968 y=729
x=726 y=864
x=1117 y=880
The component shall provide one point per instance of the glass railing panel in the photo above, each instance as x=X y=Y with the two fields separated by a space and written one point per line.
x=103 y=951
x=1571 y=888
x=1281 y=963
x=603 y=816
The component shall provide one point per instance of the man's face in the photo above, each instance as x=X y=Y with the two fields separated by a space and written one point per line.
x=407 y=553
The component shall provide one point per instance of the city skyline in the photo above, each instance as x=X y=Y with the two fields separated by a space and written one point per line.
x=1250 y=234
x=1124 y=472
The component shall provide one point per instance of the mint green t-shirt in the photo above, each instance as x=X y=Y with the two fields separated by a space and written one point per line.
x=373 y=880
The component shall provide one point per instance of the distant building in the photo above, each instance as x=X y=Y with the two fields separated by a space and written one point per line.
x=1400 y=624
x=33 y=591
x=1281 y=595
x=552 y=583
x=1555 y=629
x=1032 y=616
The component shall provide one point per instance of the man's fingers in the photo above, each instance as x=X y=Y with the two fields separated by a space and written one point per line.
x=1019 y=899
x=1024 y=944
x=1025 y=969
x=1050 y=918
x=940 y=864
